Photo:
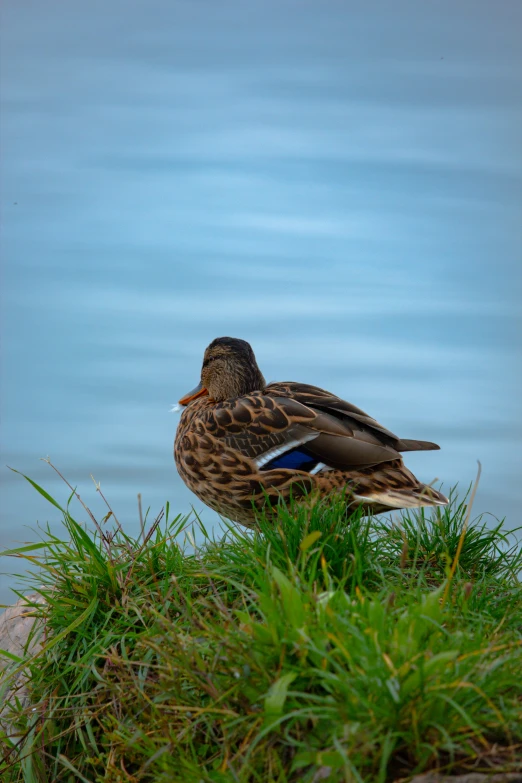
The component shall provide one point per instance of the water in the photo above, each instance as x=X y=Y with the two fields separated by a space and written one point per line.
x=339 y=184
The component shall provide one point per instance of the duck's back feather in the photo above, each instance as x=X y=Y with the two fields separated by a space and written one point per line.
x=350 y=415
x=264 y=426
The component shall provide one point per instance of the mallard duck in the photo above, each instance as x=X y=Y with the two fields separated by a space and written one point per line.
x=241 y=443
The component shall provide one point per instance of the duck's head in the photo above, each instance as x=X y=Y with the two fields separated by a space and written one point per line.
x=229 y=370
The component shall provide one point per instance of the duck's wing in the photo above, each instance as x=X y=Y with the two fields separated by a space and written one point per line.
x=321 y=400
x=276 y=431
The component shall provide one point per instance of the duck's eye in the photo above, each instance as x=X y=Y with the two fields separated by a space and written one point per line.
x=210 y=359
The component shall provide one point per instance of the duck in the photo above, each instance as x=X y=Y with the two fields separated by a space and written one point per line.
x=243 y=446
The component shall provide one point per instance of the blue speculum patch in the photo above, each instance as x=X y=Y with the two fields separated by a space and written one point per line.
x=296 y=459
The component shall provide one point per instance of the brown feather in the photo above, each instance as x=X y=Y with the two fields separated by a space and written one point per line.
x=224 y=449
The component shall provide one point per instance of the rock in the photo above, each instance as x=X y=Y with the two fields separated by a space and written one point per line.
x=16 y=624
x=470 y=777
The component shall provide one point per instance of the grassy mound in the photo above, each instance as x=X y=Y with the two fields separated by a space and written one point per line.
x=312 y=649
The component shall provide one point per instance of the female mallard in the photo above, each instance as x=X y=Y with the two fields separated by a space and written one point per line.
x=241 y=443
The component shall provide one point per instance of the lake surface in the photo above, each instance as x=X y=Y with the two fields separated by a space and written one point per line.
x=338 y=183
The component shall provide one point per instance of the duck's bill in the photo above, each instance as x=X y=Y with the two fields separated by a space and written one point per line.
x=199 y=391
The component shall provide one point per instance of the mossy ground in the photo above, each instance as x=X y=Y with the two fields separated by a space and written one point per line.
x=314 y=648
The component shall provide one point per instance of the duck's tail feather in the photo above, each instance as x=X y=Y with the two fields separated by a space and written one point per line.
x=412 y=497
x=416 y=445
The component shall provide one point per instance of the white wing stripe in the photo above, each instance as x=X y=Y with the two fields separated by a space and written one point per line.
x=279 y=450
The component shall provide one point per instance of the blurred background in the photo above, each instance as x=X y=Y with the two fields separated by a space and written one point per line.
x=338 y=183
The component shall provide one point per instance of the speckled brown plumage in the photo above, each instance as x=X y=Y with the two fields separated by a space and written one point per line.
x=225 y=449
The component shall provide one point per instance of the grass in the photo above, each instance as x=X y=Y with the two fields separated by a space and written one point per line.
x=314 y=648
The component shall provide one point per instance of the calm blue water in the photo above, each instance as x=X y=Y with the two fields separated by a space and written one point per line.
x=338 y=183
